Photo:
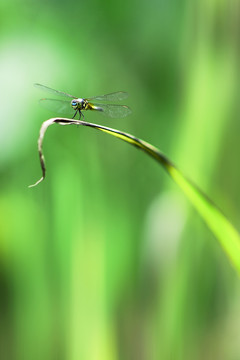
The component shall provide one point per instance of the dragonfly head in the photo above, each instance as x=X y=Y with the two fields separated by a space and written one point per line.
x=78 y=104
x=74 y=104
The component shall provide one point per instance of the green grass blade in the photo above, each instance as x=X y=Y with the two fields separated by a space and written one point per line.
x=220 y=226
x=223 y=230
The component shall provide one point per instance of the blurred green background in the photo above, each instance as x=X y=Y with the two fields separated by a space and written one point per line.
x=106 y=259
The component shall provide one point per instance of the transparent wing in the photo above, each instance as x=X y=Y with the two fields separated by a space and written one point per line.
x=115 y=96
x=59 y=106
x=53 y=92
x=112 y=110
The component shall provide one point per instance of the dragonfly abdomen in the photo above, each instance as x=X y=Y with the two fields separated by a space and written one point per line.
x=93 y=107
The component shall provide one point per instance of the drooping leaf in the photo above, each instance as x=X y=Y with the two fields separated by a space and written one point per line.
x=220 y=226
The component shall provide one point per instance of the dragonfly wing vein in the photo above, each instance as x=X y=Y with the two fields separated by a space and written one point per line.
x=115 y=96
x=53 y=92
x=59 y=106
x=113 y=110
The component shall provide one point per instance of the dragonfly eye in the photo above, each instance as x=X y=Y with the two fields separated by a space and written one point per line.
x=74 y=103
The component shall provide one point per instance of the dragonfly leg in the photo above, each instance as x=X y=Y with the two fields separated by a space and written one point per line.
x=81 y=115
x=74 y=114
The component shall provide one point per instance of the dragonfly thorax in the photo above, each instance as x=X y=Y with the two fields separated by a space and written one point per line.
x=79 y=104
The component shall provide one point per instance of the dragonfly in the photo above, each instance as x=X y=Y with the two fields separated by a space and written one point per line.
x=73 y=105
